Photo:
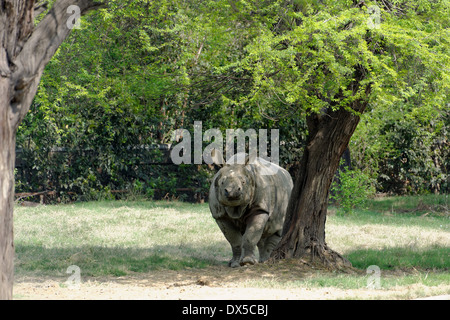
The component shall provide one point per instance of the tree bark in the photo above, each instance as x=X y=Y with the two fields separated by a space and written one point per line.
x=304 y=227
x=7 y=158
x=24 y=52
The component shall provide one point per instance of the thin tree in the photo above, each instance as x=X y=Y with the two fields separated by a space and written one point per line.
x=25 y=49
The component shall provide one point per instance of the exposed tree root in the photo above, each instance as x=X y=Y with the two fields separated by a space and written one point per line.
x=317 y=257
x=329 y=258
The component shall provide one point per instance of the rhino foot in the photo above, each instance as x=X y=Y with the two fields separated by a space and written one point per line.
x=248 y=260
x=233 y=263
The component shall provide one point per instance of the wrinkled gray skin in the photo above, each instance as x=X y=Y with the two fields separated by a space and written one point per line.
x=249 y=206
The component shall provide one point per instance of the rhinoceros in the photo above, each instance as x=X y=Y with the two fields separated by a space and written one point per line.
x=249 y=202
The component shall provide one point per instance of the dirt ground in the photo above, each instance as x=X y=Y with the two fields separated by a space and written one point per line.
x=211 y=283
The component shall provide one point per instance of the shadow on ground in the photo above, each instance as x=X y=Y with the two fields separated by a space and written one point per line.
x=97 y=261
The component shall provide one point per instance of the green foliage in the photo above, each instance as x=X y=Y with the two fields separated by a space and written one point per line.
x=119 y=86
x=316 y=57
x=107 y=99
x=352 y=190
x=137 y=70
x=406 y=153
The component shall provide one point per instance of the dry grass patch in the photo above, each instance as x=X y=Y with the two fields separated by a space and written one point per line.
x=169 y=246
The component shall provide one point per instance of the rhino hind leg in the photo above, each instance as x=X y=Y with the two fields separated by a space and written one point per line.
x=266 y=246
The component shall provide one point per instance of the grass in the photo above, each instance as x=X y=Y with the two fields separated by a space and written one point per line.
x=407 y=237
x=416 y=205
x=395 y=232
x=115 y=238
x=344 y=286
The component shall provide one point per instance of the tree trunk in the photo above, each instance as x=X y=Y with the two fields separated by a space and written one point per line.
x=24 y=52
x=304 y=227
x=7 y=159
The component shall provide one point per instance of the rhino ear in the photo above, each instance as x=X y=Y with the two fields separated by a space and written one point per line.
x=250 y=159
x=217 y=158
x=247 y=160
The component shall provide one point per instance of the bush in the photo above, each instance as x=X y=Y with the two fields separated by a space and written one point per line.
x=351 y=189
x=406 y=153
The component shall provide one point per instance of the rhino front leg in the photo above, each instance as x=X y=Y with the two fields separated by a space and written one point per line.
x=251 y=237
x=234 y=238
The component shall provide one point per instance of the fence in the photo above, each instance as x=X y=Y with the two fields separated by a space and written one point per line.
x=74 y=174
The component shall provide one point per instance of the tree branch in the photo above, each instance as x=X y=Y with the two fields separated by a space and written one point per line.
x=40 y=47
x=16 y=25
x=50 y=33
x=40 y=7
